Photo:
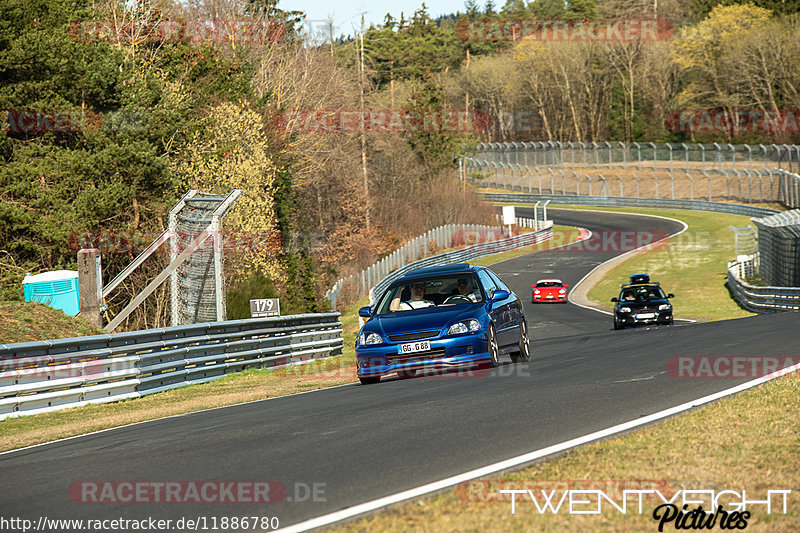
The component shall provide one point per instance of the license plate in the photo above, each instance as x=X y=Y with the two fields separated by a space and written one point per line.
x=411 y=347
x=646 y=315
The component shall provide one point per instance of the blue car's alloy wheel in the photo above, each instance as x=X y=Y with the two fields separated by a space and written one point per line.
x=524 y=353
x=494 y=359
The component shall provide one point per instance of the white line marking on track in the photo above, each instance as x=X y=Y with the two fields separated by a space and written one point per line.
x=171 y=416
x=380 y=503
x=629 y=252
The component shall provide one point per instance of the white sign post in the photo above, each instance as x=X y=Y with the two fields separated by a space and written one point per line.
x=509 y=217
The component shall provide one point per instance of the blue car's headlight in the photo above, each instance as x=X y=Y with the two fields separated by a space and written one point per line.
x=464 y=327
x=369 y=338
x=624 y=309
x=664 y=307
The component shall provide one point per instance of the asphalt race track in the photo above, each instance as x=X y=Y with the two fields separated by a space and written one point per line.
x=358 y=443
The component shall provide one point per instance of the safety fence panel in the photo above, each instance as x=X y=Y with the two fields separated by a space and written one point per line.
x=42 y=376
x=760 y=299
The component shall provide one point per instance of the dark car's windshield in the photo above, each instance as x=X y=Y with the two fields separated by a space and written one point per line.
x=642 y=294
x=450 y=289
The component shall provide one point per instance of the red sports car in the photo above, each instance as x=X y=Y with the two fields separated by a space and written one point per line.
x=549 y=290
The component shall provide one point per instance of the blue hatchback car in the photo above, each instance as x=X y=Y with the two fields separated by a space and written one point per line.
x=441 y=317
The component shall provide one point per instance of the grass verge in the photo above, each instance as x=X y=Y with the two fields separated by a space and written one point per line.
x=692 y=265
x=747 y=442
x=32 y=321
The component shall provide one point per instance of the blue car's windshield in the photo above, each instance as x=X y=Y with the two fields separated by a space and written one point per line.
x=451 y=289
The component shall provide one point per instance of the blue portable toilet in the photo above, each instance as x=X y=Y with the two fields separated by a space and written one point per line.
x=57 y=289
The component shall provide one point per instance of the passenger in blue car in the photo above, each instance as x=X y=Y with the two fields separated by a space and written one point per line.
x=417 y=300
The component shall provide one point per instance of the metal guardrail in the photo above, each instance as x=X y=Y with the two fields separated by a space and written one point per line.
x=43 y=376
x=760 y=299
x=616 y=201
x=465 y=254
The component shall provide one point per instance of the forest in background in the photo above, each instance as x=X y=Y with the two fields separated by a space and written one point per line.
x=168 y=112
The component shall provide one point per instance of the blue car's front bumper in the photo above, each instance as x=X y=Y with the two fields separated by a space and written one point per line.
x=445 y=352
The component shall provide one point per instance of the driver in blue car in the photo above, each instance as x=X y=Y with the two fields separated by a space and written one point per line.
x=465 y=289
x=417 y=300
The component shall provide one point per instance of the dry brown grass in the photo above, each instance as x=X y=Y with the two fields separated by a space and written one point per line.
x=31 y=321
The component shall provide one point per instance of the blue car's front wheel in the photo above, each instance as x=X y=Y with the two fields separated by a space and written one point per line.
x=369 y=380
x=494 y=351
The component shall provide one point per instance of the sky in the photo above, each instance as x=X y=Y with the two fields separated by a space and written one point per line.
x=346 y=14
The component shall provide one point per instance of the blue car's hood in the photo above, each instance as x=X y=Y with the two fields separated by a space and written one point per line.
x=428 y=318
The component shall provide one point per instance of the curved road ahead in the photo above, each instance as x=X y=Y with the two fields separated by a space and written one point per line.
x=358 y=443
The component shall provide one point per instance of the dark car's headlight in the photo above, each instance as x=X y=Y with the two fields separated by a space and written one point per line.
x=624 y=309
x=369 y=338
x=664 y=307
x=465 y=326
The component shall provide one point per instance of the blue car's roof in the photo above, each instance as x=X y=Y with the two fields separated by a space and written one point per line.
x=454 y=268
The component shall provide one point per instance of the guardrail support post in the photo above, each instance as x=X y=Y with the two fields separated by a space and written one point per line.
x=90 y=285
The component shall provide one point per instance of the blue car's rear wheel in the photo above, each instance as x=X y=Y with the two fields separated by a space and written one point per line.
x=524 y=353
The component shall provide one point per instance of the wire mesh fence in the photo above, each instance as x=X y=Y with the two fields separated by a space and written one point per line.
x=744 y=173
x=779 y=248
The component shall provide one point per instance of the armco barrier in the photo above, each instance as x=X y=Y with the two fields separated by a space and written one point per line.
x=616 y=201
x=465 y=254
x=37 y=377
x=761 y=299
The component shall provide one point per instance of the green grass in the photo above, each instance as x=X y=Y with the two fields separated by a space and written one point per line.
x=692 y=265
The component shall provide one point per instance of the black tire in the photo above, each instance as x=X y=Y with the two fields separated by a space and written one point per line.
x=369 y=380
x=405 y=374
x=524 y=353
x=617 y=325
x=494 y=350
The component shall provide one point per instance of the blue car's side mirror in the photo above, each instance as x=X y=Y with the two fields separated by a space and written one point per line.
x=500 y=294
x=365 y=312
